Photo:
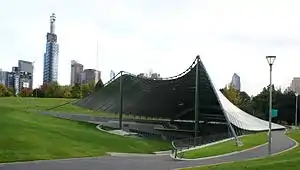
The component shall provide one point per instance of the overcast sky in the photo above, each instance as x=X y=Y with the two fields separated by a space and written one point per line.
x=164 y=35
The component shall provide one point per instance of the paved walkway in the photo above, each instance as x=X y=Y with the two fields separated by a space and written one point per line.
x=163 y=162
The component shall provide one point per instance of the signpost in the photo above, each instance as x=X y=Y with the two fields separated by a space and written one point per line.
x=274 y=112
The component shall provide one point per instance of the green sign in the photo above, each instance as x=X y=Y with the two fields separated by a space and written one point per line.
x=274 y=113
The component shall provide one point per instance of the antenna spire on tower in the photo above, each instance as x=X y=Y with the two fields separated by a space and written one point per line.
x=52 y=23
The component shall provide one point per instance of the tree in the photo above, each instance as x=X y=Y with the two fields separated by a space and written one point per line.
x=76 y=91
x=231 y=94
x=3 y=90
x=66 y=91
x=37 y=93
x=99 y=85
x=25 y=92
x=52 y=90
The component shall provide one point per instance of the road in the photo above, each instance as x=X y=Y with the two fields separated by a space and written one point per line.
x=158 y=162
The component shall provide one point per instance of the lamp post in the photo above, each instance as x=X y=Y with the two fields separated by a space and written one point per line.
x=270 y=60
x=296 y=111
x=32 y=78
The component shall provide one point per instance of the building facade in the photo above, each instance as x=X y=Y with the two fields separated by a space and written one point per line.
x=236 y=82
x=3 y=77
x=155 y=76
x=51 y=55
x=76 y=70
x=90 y=75
x=26 y=73
x=13 y=80
x=295 y=85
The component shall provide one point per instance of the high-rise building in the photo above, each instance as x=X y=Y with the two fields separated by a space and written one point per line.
x=76 y=70
x=3 y=77
x=236 y=82
x=51 y=54
x=295 y=85
x=25 y=80
x=26 y=74
x=13 y=80
x=90 y=75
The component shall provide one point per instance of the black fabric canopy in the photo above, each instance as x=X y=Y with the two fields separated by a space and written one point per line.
x=171 y=98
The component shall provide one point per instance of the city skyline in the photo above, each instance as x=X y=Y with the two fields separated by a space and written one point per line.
x=79 y=75
x=136 y=35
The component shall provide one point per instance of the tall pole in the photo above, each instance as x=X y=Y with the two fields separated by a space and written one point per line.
x=270 y=112
x=32 y=79
x=296 y=111
x=121 y=101
x=197 y=98
x=81 y=90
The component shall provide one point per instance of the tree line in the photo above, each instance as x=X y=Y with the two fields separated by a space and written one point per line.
x=282 y=100
x=54 y=90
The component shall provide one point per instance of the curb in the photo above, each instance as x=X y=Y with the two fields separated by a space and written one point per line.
x=129 y=154
x=217 y=156
x=257 y=158
x=157 y=153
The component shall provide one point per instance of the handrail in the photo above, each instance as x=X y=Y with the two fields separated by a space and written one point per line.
x=182 y=144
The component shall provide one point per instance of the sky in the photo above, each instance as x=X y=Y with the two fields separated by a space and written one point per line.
x=231 y=36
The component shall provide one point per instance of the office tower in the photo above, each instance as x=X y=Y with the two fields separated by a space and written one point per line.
x=236 y=82
x=90 y=75
x=76 y=70
x=13 y=80
x=25 y=74
x=295 y=85
x=51 y=54
x=3 y=77
x=25 y=80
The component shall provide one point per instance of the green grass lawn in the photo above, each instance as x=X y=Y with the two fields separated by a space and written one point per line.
x=286 y=161
x=47 y=103
x=32 y=136
x=227 y=147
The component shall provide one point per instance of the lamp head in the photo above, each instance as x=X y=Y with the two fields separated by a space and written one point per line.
x=296 y=94
x=270 y=59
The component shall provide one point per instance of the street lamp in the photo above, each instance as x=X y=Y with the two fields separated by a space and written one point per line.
x=296 y=111
x=270 y=60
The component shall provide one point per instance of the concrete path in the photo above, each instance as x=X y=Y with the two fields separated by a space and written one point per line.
x=159 y=162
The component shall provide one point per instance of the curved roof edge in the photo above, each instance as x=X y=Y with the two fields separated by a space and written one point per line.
x=238 y=117
x=242 y=119
x=166 y=78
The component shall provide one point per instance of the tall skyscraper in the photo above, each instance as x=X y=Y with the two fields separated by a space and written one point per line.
x=76 y=70
x=51 y=54
x=236 y=82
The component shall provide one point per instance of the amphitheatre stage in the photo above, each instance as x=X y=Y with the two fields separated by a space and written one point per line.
x=172 y=106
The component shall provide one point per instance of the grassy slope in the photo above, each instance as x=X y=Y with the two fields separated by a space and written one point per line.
x=227 y=147
x=285 y=161
x=31 y=136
